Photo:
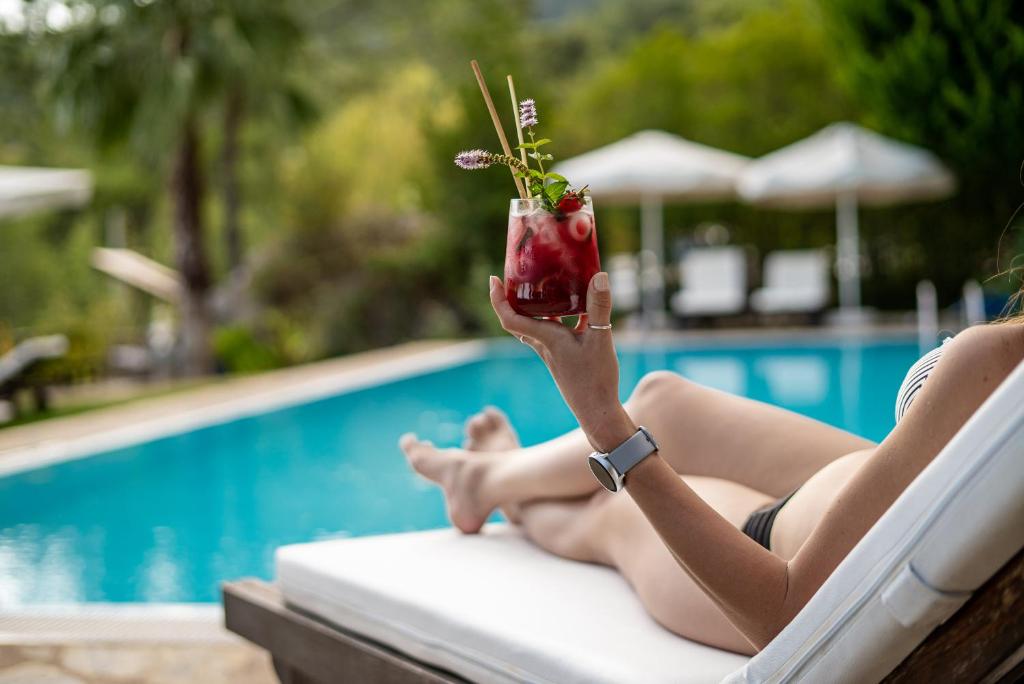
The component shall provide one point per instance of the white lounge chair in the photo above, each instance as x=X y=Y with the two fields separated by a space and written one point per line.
x=714 y=282
x=28 y=353
x=624 y=276
x=441 y=607
x=795 y=281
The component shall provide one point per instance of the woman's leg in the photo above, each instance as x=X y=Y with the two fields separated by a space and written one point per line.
x=711 y=433
x=611 y=530
x=702 y=431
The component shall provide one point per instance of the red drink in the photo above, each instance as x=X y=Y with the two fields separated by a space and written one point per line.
x=549 y=259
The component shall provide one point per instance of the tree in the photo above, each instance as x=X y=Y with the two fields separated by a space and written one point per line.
x=939 y=73
x=147 y=74
x=752 y=86
x=260 y=42
x=946 y=75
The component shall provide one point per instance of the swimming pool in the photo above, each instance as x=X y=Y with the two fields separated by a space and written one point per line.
x=168 y=519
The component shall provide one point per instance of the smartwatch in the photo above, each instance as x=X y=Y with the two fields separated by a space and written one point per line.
x=610 y=469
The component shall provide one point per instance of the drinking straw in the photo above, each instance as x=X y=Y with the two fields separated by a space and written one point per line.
x=519 y=124
x=497 y=124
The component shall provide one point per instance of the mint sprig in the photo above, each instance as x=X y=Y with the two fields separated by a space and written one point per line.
x=548 y=187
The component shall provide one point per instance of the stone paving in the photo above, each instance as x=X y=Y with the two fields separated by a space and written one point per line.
x=135 y=663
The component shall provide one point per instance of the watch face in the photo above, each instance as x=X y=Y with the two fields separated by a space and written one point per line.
x=602 y=475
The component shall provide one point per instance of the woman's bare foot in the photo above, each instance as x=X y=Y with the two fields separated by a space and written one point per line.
x=491 y=430
x=459 y=473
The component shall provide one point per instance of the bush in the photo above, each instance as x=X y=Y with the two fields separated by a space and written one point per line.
x=238 y=350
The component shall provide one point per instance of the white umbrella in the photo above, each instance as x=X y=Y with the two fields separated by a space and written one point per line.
x=139 y=271
x=648 y=168
x=26 y=189
x=845 y=165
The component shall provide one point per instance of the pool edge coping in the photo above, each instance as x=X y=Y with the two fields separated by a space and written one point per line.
x=52 y=452
x=135 y=623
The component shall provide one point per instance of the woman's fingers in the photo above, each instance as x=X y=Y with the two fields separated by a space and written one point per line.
x=539 y=331
x=599 y=311
x=599 y=300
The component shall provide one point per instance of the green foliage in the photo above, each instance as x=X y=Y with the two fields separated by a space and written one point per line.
x=90 y=336
x=132 y=71
x=939 y=73
x=946 y=75
x=362 y=232
x=756 y=85
x=238 y=350
x=84 y=361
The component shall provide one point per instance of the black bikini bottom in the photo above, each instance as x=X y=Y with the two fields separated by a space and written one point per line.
x=759 y=525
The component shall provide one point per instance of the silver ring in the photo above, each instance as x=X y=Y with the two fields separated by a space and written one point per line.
x=598 y=326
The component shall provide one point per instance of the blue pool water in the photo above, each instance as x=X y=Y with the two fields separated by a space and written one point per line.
x=169 y=519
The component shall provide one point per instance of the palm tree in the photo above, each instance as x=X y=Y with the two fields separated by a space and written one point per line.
x=147 y=73
x=260 y=42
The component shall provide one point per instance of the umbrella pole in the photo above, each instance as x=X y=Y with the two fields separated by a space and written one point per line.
x=847 y=252
x=652 y=260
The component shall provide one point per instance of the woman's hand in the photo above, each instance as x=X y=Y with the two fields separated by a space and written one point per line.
x=582 y=361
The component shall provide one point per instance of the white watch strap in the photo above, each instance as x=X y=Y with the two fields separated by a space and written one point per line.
x=633 y=450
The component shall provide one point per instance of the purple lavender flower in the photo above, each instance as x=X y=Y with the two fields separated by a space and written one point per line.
x=527 y=113
x=473 y=159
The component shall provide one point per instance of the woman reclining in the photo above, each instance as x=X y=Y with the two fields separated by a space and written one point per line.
x=740 y=511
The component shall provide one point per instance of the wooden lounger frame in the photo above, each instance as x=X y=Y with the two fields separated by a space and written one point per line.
x=982 y=642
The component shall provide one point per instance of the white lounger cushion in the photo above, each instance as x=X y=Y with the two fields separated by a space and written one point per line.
x=495 y=609
x=492 y=608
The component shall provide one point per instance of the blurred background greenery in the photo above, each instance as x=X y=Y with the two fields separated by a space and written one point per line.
x=303 y=150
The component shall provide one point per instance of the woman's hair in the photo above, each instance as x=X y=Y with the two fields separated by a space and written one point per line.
x=1014 y=311
x=1015 y=307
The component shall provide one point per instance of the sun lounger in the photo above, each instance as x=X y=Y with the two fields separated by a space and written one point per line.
x=440 y=607
x=714 y=282
x=26 y=354
x=624 y=274
x=795 y=281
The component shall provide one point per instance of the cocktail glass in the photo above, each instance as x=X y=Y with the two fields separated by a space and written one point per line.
x=550 y=258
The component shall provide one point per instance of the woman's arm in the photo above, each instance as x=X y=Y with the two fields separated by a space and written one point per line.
x=757 y=590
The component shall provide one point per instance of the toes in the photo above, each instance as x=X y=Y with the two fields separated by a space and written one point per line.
x=476 y=429
x=495 y=416
x=489 y=430
x=422 y=456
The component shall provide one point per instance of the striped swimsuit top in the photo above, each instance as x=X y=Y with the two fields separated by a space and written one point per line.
x=915 y=379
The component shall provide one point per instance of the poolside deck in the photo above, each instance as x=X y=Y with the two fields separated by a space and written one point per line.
x=35 y=444
x=126 y=663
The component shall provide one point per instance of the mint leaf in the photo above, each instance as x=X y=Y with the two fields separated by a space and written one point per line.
x=554 y=192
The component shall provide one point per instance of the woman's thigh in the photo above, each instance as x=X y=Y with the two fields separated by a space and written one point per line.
x=667 y=592
x=706 y=432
